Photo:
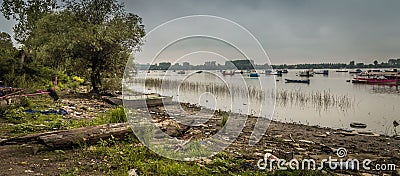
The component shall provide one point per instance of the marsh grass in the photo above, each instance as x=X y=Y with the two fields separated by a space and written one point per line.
x=320 y=100
x=215 y=88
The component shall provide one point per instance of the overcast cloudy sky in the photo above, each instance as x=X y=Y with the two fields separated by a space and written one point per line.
x=294 y=31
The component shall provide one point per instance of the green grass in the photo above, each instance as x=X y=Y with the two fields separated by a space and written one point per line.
x=118 y=156
x=21 y=123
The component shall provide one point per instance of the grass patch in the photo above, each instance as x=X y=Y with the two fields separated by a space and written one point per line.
x=118 y=156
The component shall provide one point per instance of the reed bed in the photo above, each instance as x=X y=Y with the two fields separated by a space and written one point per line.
x=320 y=100
x=216 y=88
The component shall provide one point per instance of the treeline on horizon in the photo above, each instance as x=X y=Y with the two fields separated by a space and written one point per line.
x=391 y=63
x=248 y=64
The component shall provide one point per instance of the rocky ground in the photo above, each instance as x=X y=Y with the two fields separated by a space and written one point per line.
x=288 y=141
x=284 y=140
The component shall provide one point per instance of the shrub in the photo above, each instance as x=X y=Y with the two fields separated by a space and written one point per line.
x=117 y=115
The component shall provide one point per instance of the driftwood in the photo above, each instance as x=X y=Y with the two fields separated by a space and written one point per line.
x=73 y=137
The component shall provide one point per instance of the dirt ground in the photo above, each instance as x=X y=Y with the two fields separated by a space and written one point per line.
x=284 y=140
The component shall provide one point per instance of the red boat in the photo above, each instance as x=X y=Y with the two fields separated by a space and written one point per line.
x=377 y=80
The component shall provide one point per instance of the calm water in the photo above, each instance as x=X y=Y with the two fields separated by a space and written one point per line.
x=342 y=103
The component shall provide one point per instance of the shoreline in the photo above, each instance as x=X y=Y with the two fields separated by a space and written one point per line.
x=284 y=140
x=292 y=139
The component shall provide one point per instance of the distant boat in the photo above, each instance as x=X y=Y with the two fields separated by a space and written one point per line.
x=392 y=70
x=307 y=73
x=342 y=71
x=358 y=125
x=307 y=81
x=268 y=72
x=322 y=72
x=254 y=74
x=277 y=73
x=181 y=72
x=199 y=71
x=359 y=81
x=285 y=71
x=226 y=73
x=381 y=80
x=356 y=71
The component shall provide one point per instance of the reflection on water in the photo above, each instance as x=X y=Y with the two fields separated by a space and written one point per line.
x=327 y=101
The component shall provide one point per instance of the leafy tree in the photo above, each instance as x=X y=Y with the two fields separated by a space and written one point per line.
x=8 y=53
x=26 y=13
x=93 y=38
x=5 y=41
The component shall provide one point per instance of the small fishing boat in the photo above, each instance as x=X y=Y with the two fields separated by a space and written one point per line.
x=199 y=71
x=342 y=71
x=356 y=71
x=322 y=72
x=358 y=125
x=254 y=74
x=382 y=80
x=268 y=72
x=285 y=71
x=306 y=73
x=307 y=81
x=182 y=72
x=359 y=81
x=392 y=70
x=230 y=73
x=277 y=73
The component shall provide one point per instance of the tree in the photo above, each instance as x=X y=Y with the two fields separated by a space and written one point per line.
x=352 y=64
x=90 y=37
x=5 y=40
x=26 y=13
x=8 y=60
x=376 y=63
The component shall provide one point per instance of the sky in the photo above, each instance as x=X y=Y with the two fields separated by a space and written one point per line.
x=290 y=31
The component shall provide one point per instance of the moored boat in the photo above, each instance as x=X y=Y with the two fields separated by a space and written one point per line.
x=230 y=73
x=306 y=73
x=356 y=71
x=182 y=72
x=342 y=71
x=384 y=80
x=277 y=73
x=307 y=81
x=358 y=125
x=254 y=75
x=322 y=72
x=392 y=70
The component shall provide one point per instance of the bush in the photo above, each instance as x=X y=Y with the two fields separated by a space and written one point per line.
x=117 y=115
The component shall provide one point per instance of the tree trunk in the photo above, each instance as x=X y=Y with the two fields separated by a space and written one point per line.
x=74 y=137
x=95 y=75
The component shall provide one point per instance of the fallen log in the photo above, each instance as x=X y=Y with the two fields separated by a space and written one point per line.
x=74 y=137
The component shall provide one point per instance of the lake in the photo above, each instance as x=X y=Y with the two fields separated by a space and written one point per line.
x=328 y=101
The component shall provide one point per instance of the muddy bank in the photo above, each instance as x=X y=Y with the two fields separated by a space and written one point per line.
x=284 y=140
x=288 y=140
